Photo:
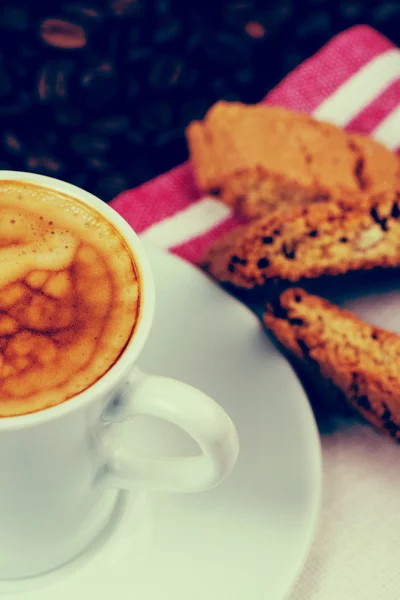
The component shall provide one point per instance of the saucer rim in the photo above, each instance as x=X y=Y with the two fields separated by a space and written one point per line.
x=307 y=414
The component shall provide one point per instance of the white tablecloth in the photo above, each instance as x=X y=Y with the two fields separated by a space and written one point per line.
x=356 y=553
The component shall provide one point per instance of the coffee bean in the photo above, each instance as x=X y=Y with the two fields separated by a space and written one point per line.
x=97 y=164
x=225 y=49
x=88 y=144
x=124 y=8
x=12 y=143
x=237 y=13
x=165 y=72
x=46 y=84
x=84 y=12
x=255 y=30
x=44 y=164
x=104 y=69
x=111 y=125
x=63 y=34
x=167 y=31
x=155 y=116
x=68 y=116
x=100 y=84
x=53 y=80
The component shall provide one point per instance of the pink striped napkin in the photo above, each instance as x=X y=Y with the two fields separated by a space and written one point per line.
x=353 y=81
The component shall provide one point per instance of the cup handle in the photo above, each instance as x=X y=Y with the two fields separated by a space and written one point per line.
x=188 y=408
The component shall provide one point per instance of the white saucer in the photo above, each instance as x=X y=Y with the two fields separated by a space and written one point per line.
x=246 y=539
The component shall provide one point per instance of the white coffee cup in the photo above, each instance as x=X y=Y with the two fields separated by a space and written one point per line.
x=61 y=469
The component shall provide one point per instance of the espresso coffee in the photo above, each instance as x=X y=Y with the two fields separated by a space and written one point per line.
x=69 y=297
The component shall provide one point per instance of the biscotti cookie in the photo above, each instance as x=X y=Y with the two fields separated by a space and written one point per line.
x=358 y=359
x=319 y=240
x=260 y=158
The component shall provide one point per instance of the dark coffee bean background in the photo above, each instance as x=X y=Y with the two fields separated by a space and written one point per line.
x=99 y=92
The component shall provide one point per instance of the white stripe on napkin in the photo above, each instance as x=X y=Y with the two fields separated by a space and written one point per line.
x=187 y=224
x=339 y=108
x=360 y=89
x=388 y=130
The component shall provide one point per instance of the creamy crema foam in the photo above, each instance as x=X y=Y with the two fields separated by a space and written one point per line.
x=69 y=297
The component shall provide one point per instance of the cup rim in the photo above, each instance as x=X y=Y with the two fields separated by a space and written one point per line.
x=128 y=358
